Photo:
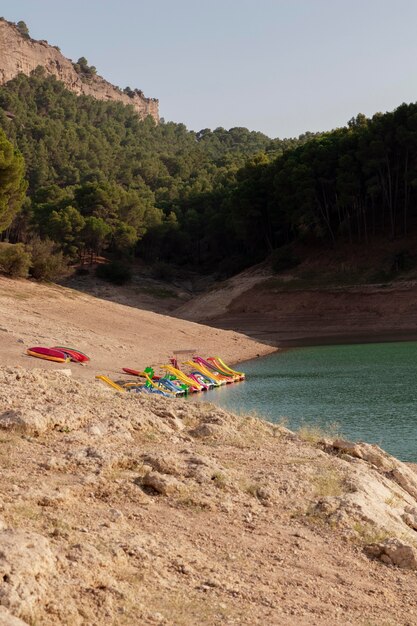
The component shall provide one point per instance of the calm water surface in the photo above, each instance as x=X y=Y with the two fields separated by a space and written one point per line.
x=370 y=390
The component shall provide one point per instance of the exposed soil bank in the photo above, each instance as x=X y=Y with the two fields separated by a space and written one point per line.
x=269 y=312
x=297 y=339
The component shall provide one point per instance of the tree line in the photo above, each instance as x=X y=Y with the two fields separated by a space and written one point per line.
x=98 y=178
x=349 y=184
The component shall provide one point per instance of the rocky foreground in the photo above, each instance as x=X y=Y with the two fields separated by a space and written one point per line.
x=123 y=509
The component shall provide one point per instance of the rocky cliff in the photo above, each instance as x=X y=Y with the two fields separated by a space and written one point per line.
x=20 y=54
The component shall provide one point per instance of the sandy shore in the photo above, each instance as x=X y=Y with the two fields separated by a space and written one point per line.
x=113 y=335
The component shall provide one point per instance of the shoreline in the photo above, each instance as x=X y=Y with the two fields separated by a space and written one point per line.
x=345 y=339
x=281 y=340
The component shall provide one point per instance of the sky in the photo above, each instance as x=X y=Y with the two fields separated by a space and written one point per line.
x=282 y=67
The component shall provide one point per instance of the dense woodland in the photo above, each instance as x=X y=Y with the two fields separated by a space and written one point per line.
x=100 y=180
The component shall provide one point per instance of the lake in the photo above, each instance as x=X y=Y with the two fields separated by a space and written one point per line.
x=369 y=390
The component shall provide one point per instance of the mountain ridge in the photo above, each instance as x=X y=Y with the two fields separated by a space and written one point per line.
x=22 y=54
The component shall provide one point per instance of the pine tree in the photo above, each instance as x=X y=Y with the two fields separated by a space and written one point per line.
x=12 y=182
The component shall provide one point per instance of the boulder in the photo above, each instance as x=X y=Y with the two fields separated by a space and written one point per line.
x=7 y=619
x=163 y=463
x=410 y=517
x=347 y=447
x=162 y=484
x=30 y=421
x=394 y=552
x=371 y=453
x=205 y=430
x=26 y=562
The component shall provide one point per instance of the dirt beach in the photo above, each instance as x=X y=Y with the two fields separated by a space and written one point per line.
x=113 y=335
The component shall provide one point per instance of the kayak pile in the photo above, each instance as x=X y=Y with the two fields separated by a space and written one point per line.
x=198 y=375
x=59 y=354
x=192 y=376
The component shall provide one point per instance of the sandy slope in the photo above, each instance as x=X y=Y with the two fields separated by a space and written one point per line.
x=114 y=335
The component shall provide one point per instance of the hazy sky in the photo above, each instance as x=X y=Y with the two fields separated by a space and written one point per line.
x=279 y=66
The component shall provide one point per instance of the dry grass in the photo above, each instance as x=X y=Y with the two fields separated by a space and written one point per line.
x=300 y=460
x=367 y=533
x=329 y=484
x=394 y=500
x=313 y=433
x=249 y=487
x=193 y=608
x=219 y=480
x=16 y=295
x=150 y=436
x=18 y=514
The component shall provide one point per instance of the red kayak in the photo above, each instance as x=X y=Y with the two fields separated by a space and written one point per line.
x=73 y=354
x=49 y=354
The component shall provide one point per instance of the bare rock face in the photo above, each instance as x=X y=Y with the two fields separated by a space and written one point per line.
x=26 y=562
x=7 y=619
x=394 y=552
x=377 y=494
x=19 y=54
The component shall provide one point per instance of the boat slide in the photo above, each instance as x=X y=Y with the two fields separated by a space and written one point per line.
x=221 y=380
x=230 y=378
x=221 y=365
x=193 y=384
x=208 y=383
x=110 y=382
x=203 y=375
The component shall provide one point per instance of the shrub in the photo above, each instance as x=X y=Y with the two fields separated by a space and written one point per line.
x=82 y=271
x=23 y=29
x=14 y=260
x=283 y=259
x=47 y=262
x=115 y=272
x=402 y=261
x=162 y=271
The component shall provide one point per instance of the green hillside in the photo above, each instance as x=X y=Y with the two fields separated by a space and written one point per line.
x=101 y=179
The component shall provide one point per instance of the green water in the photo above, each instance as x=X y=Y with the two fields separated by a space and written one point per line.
x=370 y=390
